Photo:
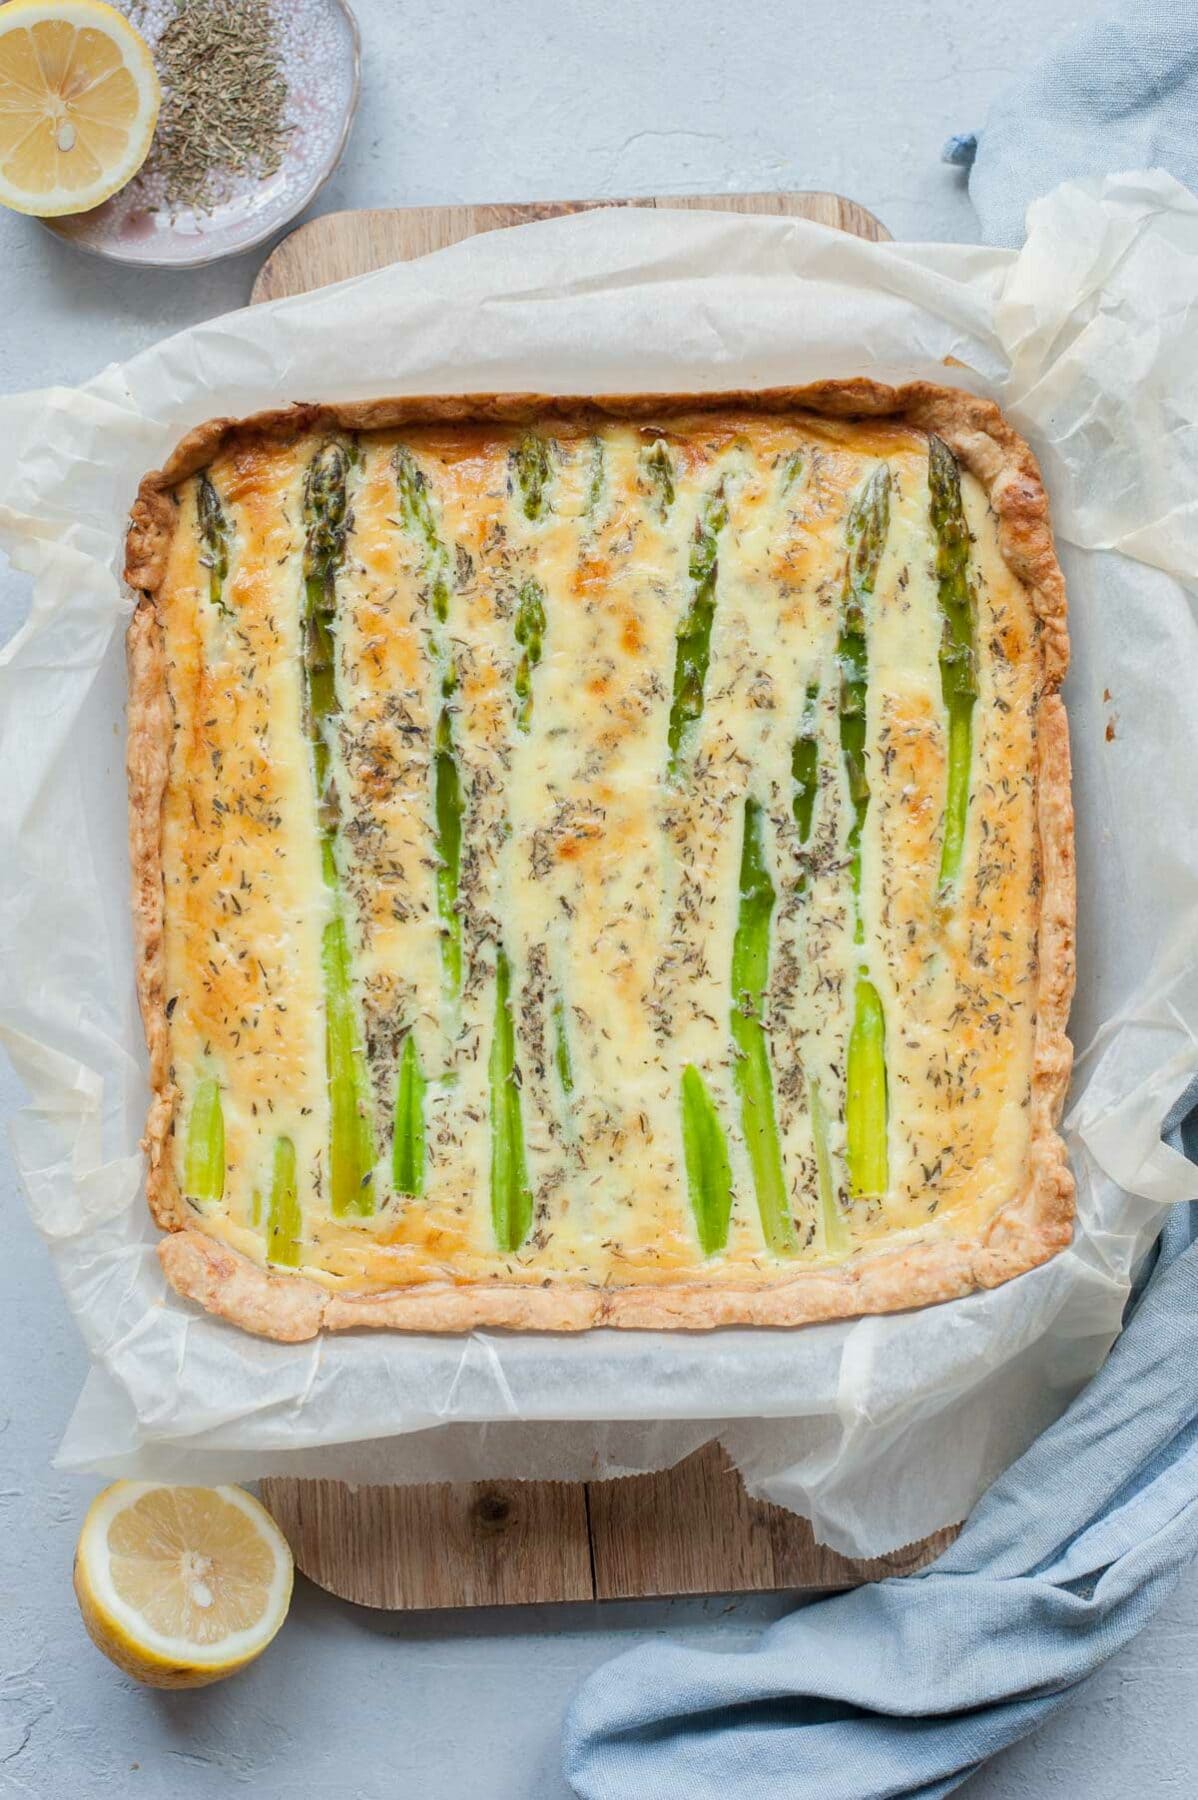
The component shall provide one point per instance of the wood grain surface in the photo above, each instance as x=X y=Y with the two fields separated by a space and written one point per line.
x=694 y=1530
x=486 y=1543
x=338 y=245
x=689 y=1530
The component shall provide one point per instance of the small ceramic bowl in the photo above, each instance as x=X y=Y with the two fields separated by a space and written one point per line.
x=320 y=57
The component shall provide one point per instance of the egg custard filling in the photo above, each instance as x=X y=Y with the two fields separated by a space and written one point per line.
x=601 y=862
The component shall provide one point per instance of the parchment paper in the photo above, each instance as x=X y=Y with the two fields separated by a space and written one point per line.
x=878 y=1430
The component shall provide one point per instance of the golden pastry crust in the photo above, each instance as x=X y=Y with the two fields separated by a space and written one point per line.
x=1028 y=1230
x=147 y=764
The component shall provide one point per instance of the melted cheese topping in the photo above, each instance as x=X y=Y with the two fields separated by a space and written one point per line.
x=612 y=887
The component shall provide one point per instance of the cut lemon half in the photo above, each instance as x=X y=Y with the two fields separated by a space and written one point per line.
x=180 y=1586
x=78 y=103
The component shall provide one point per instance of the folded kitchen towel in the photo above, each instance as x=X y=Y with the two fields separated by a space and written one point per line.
x=1119 y=93
x=904 y=1687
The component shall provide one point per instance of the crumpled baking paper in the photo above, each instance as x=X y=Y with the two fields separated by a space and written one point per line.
x=879 y=1430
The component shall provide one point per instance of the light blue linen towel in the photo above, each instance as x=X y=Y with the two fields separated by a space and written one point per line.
x=905 y=1687
x=1120 y=93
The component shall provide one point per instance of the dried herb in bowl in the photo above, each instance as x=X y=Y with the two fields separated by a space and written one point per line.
x=224 y=98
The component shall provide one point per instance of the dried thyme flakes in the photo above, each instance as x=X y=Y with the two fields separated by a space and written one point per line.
x=223 y=104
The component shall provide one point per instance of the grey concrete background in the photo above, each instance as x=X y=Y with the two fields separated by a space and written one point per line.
x=492 y=100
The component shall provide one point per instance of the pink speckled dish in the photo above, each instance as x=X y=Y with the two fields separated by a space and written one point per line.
x=320 y=57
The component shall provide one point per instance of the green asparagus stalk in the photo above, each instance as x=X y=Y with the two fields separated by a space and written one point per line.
x=561 y=1048
x=511 y=1195
x=448 y=807
x=658 y=470
x=530 y=462
x=407 y=1143
x=530 y=633
x=708 y=1171
x=351 y=1133
x=416 y=510
x=750 y=973
x=804 y=763
x=866 y=1101
x=804 y=768
x=214 y=533
x=693 y=643
x=958 y=676
x=792 y=468
x=204 y=1158
x=596 y=484
x=284 y=1223
x=865 y=536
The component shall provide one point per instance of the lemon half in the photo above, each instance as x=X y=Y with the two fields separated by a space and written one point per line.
x=180 y=1586
x=78 y=104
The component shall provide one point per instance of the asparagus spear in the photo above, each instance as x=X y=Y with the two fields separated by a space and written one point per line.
x=214 y=531
x=693 y=642
x=792 y=468
x=750 y=972
x=448 y=807
x=561 y=1049
x=958 y=677
x=658 y=470
x=595 y=487
x=804 y=768
x=284 y=1222
x=407 y=1144
x=708 y=1171
x=511 y=1195
x=530 y=632
x=351 y=1134
x=865 y=538
x=204 y=1158
x=416 y=510
x=804 y=763
x=530 y=461
x=866 y=1102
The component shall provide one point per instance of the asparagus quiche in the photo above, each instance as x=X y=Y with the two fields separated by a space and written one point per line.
x=601 y=862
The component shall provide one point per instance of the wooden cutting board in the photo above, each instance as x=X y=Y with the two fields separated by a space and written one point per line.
x=339 y=245
x=690 y=1530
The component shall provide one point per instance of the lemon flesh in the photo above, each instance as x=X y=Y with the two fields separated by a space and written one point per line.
x=181 y=1586
x=78 y=103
